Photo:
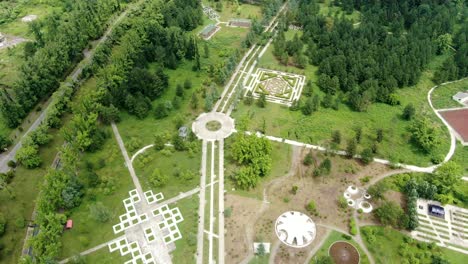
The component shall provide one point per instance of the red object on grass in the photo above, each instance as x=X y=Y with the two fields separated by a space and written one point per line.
x=69 y=224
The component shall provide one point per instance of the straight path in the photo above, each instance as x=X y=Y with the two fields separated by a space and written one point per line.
x=201 y=206
x=221 y=203
x=93 y=249
x=88 y=55
x=212 y=172
x=128 y=162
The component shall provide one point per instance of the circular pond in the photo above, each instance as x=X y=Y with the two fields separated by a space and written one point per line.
x=343 y=253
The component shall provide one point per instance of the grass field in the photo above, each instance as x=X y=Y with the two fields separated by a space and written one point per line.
x=260 y=260
x=240 y=10
x=389 y=246
x=174 y=166
x=332 y=238
x=442 y=95
x=318 y=127
x=115 y=185
x=103 y=256
x=461 y=156
x=187 y=246
x=17 y=207
x=281 y=156
x=327 y=9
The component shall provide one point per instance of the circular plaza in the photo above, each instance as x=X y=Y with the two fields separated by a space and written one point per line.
x=213 y=126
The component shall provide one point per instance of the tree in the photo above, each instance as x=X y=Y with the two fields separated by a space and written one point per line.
x=2 y=224
x=367 y=156
x=178 y=143
x=351 y=148
x=336 y=137
x=377 y=191
x=308 y=159
x=179 y=90
x=261 y=250
x=187 y=84
x=261 y=102
x=194 y=101
x=409 y=112
x=4 y=142
x=308 y=107
x=206 y=50
x=246 y=178
x=380 y=135
x=72 y=193
x=99 y=212
x=447 y=176
x=109 y=114
x=358 y=134
x=159 y=142
x=390 y=213
x=157 y=179
x=161 y=111
x=28 y=155
x=311 y=208
x=424 y=134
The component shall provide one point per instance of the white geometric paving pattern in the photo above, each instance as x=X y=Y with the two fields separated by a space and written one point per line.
x=147 y=231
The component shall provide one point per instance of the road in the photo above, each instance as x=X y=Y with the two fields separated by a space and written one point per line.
x=88 y=55
x=201 y=207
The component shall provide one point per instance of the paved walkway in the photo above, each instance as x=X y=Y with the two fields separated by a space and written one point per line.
x=201 y=206
x=10 y=155
x=199 y=126
x=128 y=162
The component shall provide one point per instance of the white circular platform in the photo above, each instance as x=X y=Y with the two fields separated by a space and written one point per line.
x=352 y=189
x=295 y=229
x=351 y=202
x=365 y=206
x=202 y=132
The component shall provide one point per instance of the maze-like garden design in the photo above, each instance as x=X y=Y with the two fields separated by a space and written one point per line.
x=279 y=87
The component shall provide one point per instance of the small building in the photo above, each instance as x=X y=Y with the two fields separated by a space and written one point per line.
x=69 y=224
x=461 y=97
x=240 y=22
x=435 y=210
x=183 y=132
x=209 y=31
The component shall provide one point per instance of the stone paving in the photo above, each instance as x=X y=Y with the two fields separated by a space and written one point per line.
x=150 y=229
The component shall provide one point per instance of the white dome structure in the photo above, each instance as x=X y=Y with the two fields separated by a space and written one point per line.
x=295 y=229
x=351 y=202
x=347 y=195
x=352 y=189
x=365 y=206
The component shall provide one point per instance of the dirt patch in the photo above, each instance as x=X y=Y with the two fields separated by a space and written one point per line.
x=287 y=255
x=344 y=253
x=457 y=119
x=244 y=213
x=253 y=220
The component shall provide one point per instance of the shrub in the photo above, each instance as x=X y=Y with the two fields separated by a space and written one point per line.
x=311 y=208
x=11 y=164
x=99 y=212
x=157 y=179
x=228 y=212
x=352 y=227
x=308 y=159
x=2 y=224
x=294 y=189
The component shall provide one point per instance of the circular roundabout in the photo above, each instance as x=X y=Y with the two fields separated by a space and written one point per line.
x=295 y=229
x=344 y=253
x=213 y=126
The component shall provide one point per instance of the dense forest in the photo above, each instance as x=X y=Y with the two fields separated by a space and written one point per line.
x=366 y=62
x=59 y=42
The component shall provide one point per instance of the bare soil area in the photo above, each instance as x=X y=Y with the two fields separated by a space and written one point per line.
x=253 y=220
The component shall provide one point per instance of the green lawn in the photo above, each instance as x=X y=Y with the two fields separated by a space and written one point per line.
x=332 y=238
x=187 y=246
x=461 y=156
x=231 y=10
x=389 y=247
x=327 y=9
x=104 y=256
x=318 y=127
x=442 y=95
x=17 y=207
x=174 y=165
x=281 y=156
x=115 y=184
x=260 y=260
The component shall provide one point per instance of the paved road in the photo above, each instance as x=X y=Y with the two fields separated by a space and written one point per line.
x=221 y=203
x=201 y=206
x=89 y=54
x=128 y=162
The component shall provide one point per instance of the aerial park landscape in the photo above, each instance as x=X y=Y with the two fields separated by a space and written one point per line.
x=233 y=131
